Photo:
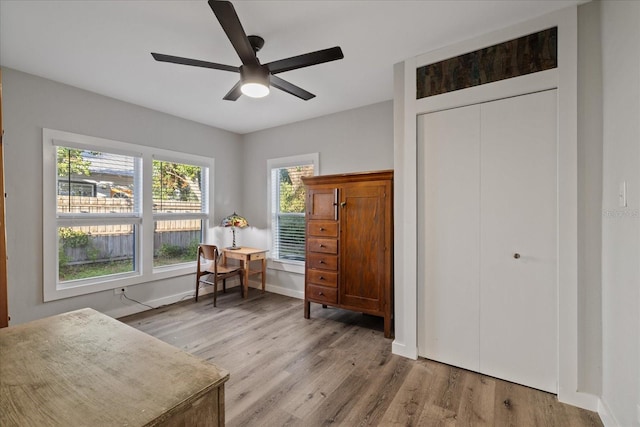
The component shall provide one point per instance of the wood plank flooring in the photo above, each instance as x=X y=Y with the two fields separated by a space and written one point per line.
x=337 y=369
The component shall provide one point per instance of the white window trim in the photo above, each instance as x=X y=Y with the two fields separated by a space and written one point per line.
x=146 y=272
x=282 y=162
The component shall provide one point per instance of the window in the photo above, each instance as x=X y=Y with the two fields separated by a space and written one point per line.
x=97 y=233
x=287 y=207
x=118 y=214
x=178 y=211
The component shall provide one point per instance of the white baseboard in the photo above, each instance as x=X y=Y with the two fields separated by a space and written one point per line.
x=275 y=289
x=582 y=400
x=130 y=307
x=284 y=291
x=404 y=351
x=607 y=417
x=133 y=307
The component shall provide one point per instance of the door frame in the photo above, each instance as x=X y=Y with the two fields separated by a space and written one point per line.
x=406 y=110
x=4 y=307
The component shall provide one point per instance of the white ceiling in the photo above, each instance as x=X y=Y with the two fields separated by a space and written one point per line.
x=104 y=47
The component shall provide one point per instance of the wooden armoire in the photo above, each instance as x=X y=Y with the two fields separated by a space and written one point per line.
x=349 y=243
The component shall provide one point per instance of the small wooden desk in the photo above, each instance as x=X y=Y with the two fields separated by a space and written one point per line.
x=84 y=368
x=245 y=256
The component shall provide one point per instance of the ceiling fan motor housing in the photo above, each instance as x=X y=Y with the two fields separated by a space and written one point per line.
x=255 y=74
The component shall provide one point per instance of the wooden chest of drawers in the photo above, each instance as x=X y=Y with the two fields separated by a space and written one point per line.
x=349 y=232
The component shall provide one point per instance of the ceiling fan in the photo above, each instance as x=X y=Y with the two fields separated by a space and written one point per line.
x=255 y=78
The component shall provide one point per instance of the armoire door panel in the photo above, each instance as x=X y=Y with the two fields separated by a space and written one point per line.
x=362 y=211
x=322 y=204
x=518 y=276
x=448 y=241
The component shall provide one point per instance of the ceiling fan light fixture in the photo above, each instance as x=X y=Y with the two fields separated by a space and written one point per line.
x=255 y=81
x=254 y=90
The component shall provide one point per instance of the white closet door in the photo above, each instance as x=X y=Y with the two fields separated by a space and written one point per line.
x=518 y=273
x=449 y=165
x=487 y=238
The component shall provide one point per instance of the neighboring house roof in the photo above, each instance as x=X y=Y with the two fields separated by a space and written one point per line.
x=109 y=164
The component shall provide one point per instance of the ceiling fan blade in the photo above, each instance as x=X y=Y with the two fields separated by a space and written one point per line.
x=231 y=25
x=234 y=93
x=194 y=62
x=291 y=88
x=305 y=60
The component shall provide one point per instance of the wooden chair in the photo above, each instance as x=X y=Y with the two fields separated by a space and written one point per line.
x=208 y=257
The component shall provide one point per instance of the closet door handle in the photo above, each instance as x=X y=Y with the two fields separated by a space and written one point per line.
x=343 y=204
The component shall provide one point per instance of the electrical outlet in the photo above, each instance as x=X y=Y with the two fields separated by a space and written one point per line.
x=119 y=291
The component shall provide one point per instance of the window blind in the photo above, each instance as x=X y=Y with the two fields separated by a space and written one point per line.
x=288 y=204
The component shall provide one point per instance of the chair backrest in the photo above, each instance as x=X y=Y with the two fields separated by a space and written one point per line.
x=209 y=252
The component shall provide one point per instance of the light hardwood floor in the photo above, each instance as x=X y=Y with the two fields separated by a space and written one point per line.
x=337 y=368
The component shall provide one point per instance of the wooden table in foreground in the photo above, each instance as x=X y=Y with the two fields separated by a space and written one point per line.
x=84 y=368
x=245 y=255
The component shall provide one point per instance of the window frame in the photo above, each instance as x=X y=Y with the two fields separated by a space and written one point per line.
x=292 y=266
x=143 y=219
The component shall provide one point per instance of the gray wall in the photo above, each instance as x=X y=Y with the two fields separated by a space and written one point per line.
x=350 y=141
x=609 y=235
x=589 y=199
x=620 y=32
x=31 y=103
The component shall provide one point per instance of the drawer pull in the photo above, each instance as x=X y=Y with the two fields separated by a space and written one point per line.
x=322 y=229
x=321 y=262
x=320 y=294
x=321 y=245
x=321 y=277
